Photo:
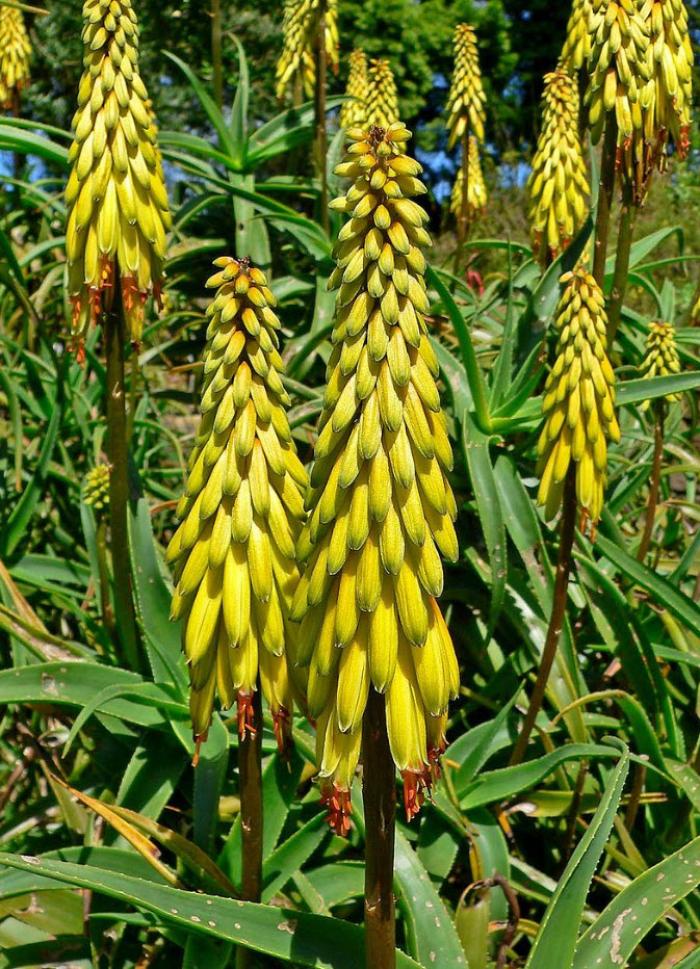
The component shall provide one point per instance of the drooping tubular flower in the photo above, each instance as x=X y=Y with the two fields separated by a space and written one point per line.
x=466 y=105
x=671 y=114
x=353 y=113
x=622 y=82
x=382 y=96
x=579 y=400
x=477 y=196
x=234 y=551
x=577 y=45
x=558 y=183
x=381 y=506
x=661 y=357
x=300 y=25
x=116 y=197
x=15 y=51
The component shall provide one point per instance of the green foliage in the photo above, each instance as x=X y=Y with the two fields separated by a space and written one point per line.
x=594 y=832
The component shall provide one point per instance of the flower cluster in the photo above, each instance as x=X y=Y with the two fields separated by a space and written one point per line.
x=477 y=196
x=300 y=26
x=234 y=551
x=558 y=183
x=353 y=113
x=381 y=508
x=661 y=356
x=382 y=97
x=466 y=105
x=116 y=196
x=15 y=51
x=579 y=400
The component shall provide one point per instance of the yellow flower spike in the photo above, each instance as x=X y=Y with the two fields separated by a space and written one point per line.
x=96 y=488
x=380 y=502
x=578 y=403
x=622 y=85
x=297 y=62
x=116 y=198
x=671 y=113
x=466 y=104
x=382 y=96
x=478 y=195
x=661 y=356
x=577 y=45
x=558 y=184
x=233 y=554
x=15 y=51
x=353 y=113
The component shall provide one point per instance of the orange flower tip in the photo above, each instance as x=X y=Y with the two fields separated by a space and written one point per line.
x=77 y=347
x=199 y=739
x=339 y=804
x=415 y=785
x=95 y=297
x=282 y=723
x=246 y=714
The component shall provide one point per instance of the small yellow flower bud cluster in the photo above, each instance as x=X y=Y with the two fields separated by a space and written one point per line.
x=234 y=551
x=579 y=400
x=96 y=488
x=558 y=183
x=300 y=25
x=661 y=357
x=353 y=113
x=466 y=105
x=577 y=45
x=116 y=195
x=382 y=96
x=15 y=51
x=381 y=508
x=477 y=195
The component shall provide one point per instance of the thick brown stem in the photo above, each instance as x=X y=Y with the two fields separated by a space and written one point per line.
x=653 y=487
x=561 y=585
x=379 y=792
x=118 y=453
x=622 y=262
x=250 y=778
x=216 y=62
x=605 y=195
x=320 y=114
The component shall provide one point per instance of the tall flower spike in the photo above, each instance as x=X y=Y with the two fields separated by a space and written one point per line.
x=661 y=356
x=353 y=112
x=382 y=96
x=297 y=62
x=558 y=183
x=476 y=187
x=116 y=196
x=234 y=553
x=381 y=506
x=579 y=400
x=15 y=51
x=466 y=105
x=622 y=82
x=671 y=115
x=577 y=45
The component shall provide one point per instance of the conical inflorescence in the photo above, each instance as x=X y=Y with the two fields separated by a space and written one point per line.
x=671 y=113
x=234 y=551
x=353 y=113
x=15 y=51
x=296 y=65
x=381 y=508
x=661 y=355
x=116 y=196
x=466 y=104
x=579 y=400
x=558 y=184
x=382 y=96
x=477 y=195
x=96 y=488
x=577 y=44
x=622 y=85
